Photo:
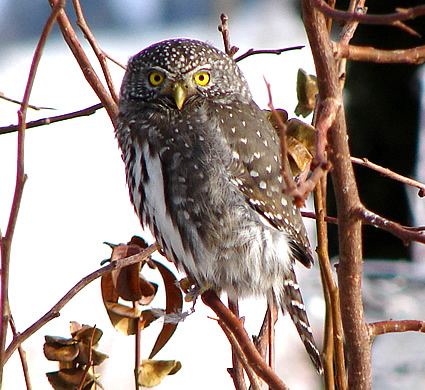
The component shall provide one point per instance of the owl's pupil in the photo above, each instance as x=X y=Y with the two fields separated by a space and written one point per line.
x=157 y=78
x=201 y=77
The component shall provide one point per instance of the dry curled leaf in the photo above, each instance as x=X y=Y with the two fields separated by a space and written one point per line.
x=86 y=334
x=75 y=355
x=60 y=349
x=174 y=304
x=70 y=379
x=152 y=372
x=301 y=142
x=307 y=90
x=276 y=123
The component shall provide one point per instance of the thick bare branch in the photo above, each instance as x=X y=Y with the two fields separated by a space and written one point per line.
x=347 y=199
x=382 y=327
x=415 y=56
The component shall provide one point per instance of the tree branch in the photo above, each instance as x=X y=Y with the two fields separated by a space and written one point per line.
x=47 y=121
x=81 y=22
x=382 y=327
x=401 y=14
x=6 y=241
x=252 y=52
x=71 y=39
x=415 y=56
x=347 y=199
x=392 y=175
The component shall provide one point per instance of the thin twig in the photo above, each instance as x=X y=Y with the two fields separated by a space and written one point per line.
x=333 y=352
x=253 y=378
x=81 y=22
x=6 y=241
x=392 y=175
x=114 y=60
x=347 y=35
x=22 y=355
x=36 y=108
x=401 y=14
x=224 y=29
x=273 y=314
x=252 y=52
x=236 y=372
x=71 y=39
x=89 y=361
x=234 y=325
x=405 y=234
x=47 y=121
x=137 y=346
x=290 y=185
x=54 y=311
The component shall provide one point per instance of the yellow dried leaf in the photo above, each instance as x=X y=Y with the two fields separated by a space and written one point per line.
x=123 y=318
x=152 y=372
x=307 y=90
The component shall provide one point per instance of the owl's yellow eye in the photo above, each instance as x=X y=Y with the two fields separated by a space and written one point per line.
x=202 y=78
x=156 y=78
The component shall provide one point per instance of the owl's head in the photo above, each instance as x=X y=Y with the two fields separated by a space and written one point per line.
x=176 y=72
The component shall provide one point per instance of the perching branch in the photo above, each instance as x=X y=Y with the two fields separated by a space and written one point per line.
x=235 y=327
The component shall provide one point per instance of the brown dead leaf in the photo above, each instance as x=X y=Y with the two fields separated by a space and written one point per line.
x=84 y=355
x=66 y=350
x=86 y=334
x=69 y=379
x=174 y=304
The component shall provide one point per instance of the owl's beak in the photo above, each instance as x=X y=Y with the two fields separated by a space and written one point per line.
x=179 y=94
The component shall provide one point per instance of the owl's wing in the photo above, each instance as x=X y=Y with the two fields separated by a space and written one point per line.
x=255 y=170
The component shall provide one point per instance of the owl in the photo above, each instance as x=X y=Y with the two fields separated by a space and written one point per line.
x=203 y=168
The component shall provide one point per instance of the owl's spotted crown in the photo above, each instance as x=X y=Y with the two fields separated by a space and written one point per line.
x=182 y=55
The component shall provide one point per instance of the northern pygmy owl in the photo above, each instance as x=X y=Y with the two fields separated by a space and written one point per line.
x=203 y=167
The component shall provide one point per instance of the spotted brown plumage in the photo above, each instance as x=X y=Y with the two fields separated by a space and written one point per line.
x=203 y=169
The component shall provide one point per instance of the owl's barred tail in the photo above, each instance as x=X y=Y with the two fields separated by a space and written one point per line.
x=291 y=300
